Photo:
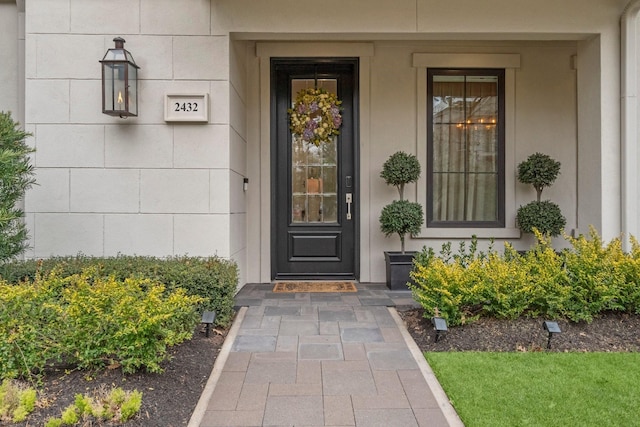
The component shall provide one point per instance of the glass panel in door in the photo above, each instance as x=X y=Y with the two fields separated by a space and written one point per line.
x=314 y=170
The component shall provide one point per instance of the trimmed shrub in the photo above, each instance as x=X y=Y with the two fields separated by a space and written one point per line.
x=629 y=268
x=401 y=216
x=90 y=320
x=598 y=277
x=400 y=169
x=128 y=322
x=544 y=216
x=214 y=279
x=29 y=328
x=576 y=284
x=541 y=171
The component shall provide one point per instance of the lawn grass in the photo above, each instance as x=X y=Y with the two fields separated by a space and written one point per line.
x=541 y=389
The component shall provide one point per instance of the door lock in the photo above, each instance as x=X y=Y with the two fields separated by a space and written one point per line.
x=349 y=197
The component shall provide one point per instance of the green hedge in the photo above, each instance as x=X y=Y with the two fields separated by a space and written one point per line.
x=214 y=279
x=88 y=320
x=577 y=283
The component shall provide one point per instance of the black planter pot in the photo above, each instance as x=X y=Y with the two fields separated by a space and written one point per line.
x=398 y=267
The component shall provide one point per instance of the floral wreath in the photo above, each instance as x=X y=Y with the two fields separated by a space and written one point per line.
x=315 y=116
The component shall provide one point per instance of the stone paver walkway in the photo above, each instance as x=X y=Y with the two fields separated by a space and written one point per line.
x=321 y=359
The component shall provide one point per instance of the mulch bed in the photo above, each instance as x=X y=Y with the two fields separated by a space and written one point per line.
x=609 y=332
x=170 y=398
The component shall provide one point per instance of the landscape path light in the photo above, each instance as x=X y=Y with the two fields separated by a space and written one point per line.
x=208 y=318
x=552 y=328
x=440 y=325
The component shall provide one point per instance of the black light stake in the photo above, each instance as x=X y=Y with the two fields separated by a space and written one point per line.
x=440 y=325
x=552 y=328
x=119 y=82
x=208 y=318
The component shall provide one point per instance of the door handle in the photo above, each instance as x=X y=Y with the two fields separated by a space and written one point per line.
x=349 y=197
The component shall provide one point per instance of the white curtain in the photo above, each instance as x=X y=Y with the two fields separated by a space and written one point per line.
x=465 y=148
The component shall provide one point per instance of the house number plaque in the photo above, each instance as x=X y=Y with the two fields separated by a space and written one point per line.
x=186 y=108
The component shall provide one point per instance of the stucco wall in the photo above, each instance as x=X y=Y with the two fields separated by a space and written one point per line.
x=544 y=120
x=238 y=156
x=445 y=20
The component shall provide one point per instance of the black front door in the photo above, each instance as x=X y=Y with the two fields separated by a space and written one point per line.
x=314 y=215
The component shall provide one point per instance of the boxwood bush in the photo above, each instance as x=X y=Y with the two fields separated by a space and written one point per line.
x=88 y=312
x=214 y=279
x=88 y=320
x=577 y=283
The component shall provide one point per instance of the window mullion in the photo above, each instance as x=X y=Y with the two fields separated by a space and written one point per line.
x=467 y=133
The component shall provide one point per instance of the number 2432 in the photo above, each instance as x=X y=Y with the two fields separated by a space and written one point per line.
x=187 y=107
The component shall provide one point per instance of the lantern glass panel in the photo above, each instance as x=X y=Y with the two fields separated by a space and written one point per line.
x=114 y=87
x=115 y=55
x=107 y=71
x=119 y=87
x=133 y=90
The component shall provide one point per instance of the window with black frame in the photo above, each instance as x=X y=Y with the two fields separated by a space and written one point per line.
x=465 y=148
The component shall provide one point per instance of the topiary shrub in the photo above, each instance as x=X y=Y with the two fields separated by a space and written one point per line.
x=541 y=171
x=401 y=216
x=545 y=217
x=400 y=169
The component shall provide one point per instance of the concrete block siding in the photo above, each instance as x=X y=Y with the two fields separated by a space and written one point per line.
x=141 y=185
x=138 y=234
x=67 y=234
x=113 y=234
x=55 y=142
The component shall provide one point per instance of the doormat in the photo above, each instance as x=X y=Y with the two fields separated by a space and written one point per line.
x=315 y=287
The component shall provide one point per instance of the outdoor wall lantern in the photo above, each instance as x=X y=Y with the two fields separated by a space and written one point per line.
x=440 y=325
x=119 y=82
x=552 y=328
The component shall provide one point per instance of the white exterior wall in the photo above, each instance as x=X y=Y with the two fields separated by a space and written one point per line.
x=144 y=186
x=9 y=39
x=140 y=185
x=238 y=156
x=544 y=120
x=590 y=207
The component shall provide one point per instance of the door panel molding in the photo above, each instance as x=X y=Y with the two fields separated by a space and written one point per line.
x=318 y=246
